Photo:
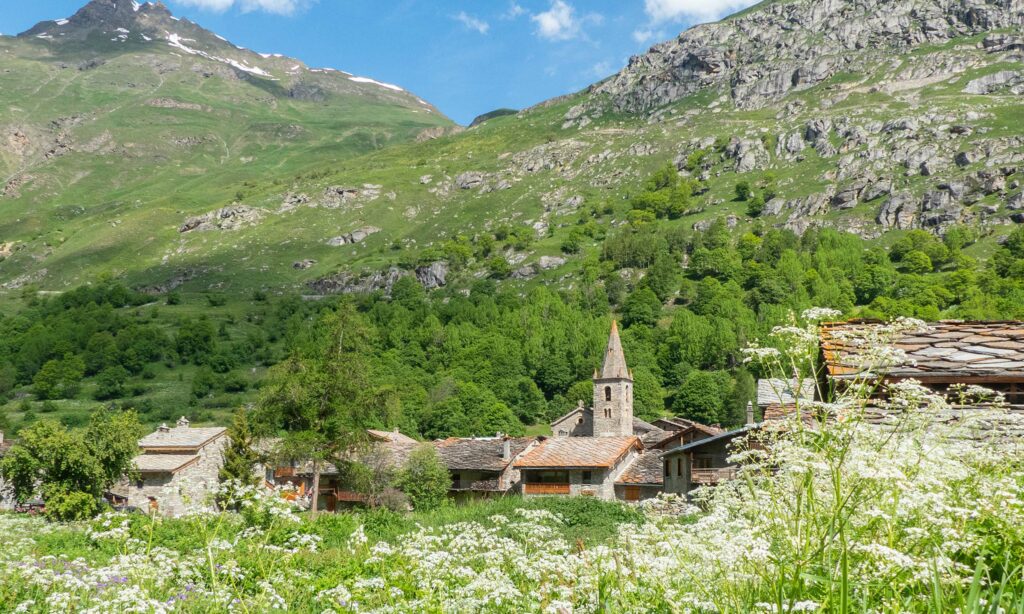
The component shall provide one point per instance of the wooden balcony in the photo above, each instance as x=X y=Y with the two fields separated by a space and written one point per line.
x=546 y=489
x=284 y=472
x=707 y=477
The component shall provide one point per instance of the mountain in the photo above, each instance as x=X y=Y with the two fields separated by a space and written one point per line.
x=867 y=116
x=122 y=119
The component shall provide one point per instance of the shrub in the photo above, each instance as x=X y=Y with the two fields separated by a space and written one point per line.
x=424 y=479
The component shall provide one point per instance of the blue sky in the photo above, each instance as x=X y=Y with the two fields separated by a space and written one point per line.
x=465 y=56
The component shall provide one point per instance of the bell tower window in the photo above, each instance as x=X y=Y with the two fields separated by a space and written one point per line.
x=607 y=393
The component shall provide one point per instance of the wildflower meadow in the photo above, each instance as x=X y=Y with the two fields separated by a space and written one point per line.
x=909 y=502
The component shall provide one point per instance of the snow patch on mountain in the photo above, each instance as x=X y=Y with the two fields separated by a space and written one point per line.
x=375 y=82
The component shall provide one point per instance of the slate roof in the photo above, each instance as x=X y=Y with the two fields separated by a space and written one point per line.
x=184 y=437
x=693 y=445
x=683 y=424
x=484 y=454
x=163 y=463
x=563 y=452
x=652 y=438
x=645 y=469
x=946 y=349
x=775 y=391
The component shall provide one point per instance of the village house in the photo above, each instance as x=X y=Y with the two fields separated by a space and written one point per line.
x=483 y=466
x=585 y=466
x=678 y=431
x=703 y=462
x=177 y=469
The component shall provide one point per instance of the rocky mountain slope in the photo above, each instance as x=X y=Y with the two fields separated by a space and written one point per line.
x=866 y=116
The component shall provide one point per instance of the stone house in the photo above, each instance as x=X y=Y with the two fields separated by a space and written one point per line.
x=642 y=479
x=703 y=461
x=584 y=466
x=483 y=466
x=178 y=469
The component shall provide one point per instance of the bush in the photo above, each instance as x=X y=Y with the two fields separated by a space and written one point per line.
x=71 y=506
x=743 y=190
x=424 y=479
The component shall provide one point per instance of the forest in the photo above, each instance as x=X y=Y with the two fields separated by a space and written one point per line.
x=488 y=354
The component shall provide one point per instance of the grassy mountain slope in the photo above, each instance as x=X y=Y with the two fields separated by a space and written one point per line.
x=118 y=123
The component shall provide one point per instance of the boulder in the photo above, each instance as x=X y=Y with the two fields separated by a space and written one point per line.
x=469 y=180
x=433 y=275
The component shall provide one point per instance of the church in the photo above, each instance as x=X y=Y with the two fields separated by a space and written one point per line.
x=599 y=451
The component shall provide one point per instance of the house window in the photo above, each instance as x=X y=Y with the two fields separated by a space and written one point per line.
x=607 y=393
x=456 y=478
x=607 y=412
x=588 y=477
x=580 y=421
x=667 y=466
x=679 y=466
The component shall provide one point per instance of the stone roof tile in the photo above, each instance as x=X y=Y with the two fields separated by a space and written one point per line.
x=600 y=452
x=943 y=349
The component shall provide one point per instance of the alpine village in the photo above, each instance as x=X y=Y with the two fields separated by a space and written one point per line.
x=736 y=327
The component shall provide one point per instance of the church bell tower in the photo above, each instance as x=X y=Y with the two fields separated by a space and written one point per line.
x=613 y=392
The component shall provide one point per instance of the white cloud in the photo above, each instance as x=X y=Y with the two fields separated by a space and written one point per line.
x=560 y=22
x=277 y=7
x=514 y=11
x=472 y=22
x=692 y=10
x=557 y=23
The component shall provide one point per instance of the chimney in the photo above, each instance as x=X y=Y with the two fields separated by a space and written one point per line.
x=183 y=422
x=506 y=449
x=163 y=428
x=750 y=413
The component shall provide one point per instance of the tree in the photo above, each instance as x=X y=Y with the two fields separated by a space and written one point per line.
x=917 y=262
x=641 y=307
x=424 y=478
x=59 y=379
x=702 y=397
x=320 y=399
x=72 y=469
x=239 y=457
x=110 y=382
x=663 y=276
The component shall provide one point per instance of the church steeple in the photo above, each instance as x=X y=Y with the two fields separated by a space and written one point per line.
x=613 y=391
x=614 y=360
